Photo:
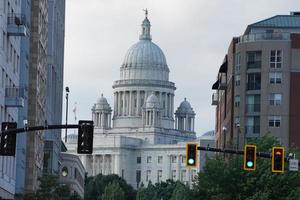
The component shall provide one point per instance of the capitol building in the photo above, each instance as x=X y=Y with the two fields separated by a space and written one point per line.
x=141 y=138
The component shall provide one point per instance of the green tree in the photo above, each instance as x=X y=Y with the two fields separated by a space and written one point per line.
x=225 y=178
x=181 y=192
x=113 y=191
x=49 y=189
x=149 y=193
x=94 y=186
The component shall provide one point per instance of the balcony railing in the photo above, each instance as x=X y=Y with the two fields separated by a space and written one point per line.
x=252 y=129
x=264 y=36
x=214 y=99
x=253 y=64
x=251 y=108
x=253 y=86
x=16 y=24
x=14 y=96
x=145 y=82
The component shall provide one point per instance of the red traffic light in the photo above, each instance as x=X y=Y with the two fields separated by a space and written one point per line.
x=278 y=159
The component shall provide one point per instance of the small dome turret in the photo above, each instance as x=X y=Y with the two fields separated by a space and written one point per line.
x=152 y=102
x=102 y=104
x=101 y=113
x=185 y=117
x=185 y=108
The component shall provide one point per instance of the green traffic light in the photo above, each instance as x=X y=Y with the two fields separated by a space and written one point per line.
x=249 y=164
x=191 y=161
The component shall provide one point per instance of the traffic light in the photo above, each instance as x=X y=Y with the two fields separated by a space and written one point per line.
x=250 y=157
x=8 y=140
x=191 y=154
x=278 y=159
x=85 y=137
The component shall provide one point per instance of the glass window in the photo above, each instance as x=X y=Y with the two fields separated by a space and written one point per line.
x=253 y=81
x=183 y=175
x=253 y=59
x=148 y=175
x=275 y=77
x=159 y=175
x=173 y=159
x=138 y=160
x=275 y=59
x=237 y=100
x=252 y=125
x=173 y=174
x=274 y=121
x=275 y=99
x=183 y=158
x=149 y=159
x=159 y=159
x=253 y=103
x=237 y=80
x=237 y=63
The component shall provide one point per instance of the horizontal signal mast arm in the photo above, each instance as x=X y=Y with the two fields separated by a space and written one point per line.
x=39 y=128
x=258 y=154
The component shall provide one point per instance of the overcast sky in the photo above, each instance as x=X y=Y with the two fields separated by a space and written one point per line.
x=193 y=34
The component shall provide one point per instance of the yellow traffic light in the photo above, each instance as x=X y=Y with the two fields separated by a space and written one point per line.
x=191 y=155
x=250 y=157
x=278 y=159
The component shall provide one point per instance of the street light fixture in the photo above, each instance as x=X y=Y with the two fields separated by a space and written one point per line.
x=67 y=102
x=238 y=136
x=224 y=138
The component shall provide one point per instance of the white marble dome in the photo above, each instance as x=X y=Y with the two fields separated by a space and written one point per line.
x=145 y=54
x=144 y=59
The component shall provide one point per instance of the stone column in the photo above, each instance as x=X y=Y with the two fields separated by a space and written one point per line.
x=115 y=103
x=137 y=102
x=166 y=105
x=123 y=109
x=119 y=104
x=160 y=99
x=130 y=103
x=109 y=120
x=172 y=105
x=186 y=123
x=176 y=121
x=154 y=117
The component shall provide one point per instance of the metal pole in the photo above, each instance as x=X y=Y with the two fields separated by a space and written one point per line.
x=238 y=138
x=67 y=103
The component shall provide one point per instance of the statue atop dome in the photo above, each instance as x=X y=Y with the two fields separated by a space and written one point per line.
x=146 y=12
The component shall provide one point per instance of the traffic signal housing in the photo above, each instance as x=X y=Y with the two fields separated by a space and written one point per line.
x=250 y=157
x=278 y=159
x=85 y=137
x=8 y=140
x=191 y=155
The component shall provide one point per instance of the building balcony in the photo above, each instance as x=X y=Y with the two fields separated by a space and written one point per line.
x=214 y=99
x=252 y=108
x=222 y=81
x=14 y=97
x=253 y=64
x=16 y=25
x=264 y=37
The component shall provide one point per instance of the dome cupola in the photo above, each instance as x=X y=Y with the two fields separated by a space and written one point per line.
x=144 y=59
x=185 y=117
x=101 y=113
